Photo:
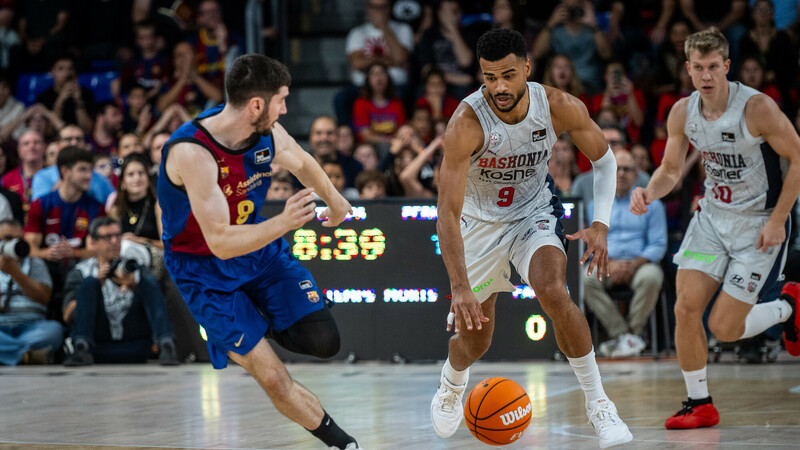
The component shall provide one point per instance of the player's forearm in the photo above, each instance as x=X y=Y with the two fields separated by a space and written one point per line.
x=663 y=180
x=237 y=240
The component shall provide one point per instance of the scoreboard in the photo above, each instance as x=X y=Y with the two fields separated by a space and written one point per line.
x=382 y=272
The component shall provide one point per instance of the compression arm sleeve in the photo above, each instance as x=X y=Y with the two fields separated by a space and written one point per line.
x=605 y=186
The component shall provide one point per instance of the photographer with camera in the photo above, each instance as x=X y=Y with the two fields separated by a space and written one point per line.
x=25 y=287
x=620 y=96
x=572 y=30
x=115 y=306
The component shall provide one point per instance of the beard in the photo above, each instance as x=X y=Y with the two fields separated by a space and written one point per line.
x=514 y=100
x=262 y=126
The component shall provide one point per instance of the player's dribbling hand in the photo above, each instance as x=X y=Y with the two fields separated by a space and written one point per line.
x=640 y=198
x=771 y=235
x=299 y=208
x=465 y=308
x=595 y=239
x=335 y=214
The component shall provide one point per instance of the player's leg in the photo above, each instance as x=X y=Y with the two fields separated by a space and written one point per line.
x=314 y=334
x=464 y=348
x=291 y=398
x=547 y=276
x=694 y=289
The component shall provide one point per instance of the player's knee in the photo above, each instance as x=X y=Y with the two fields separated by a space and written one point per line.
x=478 y=345
x=724 y=331
x=684 y=312
x=326 y=344
x=276 y=382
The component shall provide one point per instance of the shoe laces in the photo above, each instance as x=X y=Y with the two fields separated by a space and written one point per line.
x=603 y=416
x=448 y=397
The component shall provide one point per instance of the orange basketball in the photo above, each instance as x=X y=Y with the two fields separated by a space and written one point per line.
x=498 y=411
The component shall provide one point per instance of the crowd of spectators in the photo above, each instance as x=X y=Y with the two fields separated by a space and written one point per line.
x=79 y=162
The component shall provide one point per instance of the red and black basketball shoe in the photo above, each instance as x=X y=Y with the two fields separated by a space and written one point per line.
x=791 y=328
x=694 y=414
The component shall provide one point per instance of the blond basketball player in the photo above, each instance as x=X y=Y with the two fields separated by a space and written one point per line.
x=497 y=207
x=737 y=237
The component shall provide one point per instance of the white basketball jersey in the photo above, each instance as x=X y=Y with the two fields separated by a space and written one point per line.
x=508 y=178
x=743 y=173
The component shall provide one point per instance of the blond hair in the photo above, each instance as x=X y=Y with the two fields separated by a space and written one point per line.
x=706 y=42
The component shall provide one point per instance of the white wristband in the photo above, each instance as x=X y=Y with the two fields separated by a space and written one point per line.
x=605 y=186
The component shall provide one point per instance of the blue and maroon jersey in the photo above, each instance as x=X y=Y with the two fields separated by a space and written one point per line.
x=244 y=177
x=54 y=218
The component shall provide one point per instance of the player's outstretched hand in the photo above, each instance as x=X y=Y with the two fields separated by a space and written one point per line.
x=773 y=233
x=335 y=214
x=299 y=208
x=595 y=239
x=464 y=307
x=640 y=198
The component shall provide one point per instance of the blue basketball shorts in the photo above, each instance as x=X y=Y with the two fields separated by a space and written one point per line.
x=237 y=300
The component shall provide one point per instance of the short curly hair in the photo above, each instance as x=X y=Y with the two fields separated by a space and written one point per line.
x=498 y=43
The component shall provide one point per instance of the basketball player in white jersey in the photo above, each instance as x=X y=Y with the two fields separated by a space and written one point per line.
x=497 y=207
x=737 y=237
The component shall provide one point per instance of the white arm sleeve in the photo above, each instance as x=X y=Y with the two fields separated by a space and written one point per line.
x=605 y=186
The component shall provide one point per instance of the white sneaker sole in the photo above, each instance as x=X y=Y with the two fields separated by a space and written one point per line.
x=621 y=440
x=444 y=433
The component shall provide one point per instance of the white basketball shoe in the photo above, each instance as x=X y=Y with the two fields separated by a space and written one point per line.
x=610 y=429
x=447 y=410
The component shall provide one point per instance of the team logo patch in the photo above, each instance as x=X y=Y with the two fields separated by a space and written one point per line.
x=737 y=281
x=751 y=287
x=81 y=223
x=306 y=284
x=227 y=190
x=539 y=135
x=494 y=138
x=543 y=225
x=224 y=171
x=728 y=137
x=692 y=127
x=313 y=297
x=262 y=156
x=755 y=276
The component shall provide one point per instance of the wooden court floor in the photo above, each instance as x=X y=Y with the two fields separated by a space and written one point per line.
x=385 y=406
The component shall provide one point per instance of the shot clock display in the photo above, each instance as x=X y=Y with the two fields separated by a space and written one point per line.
x=383 y=272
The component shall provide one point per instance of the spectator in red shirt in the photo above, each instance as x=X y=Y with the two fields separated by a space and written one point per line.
x=620 y=95
x=751 y=73
x=31 y=160
x=149 y=68
x=107 y=129
x=187 y=87
x=435 y=98
x=377 y=113
x=213 y=43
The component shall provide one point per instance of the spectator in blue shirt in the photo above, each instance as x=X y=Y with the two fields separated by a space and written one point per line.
x=636 y=245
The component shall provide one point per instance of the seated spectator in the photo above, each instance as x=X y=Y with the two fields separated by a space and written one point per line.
x=26 y=287
x=116 y=308
x=448 y=46
x=510 y=15
x=107 y=129
x=671 y=57
x=322 y=139
x=13 y=200
x=572 y=31
x=636 y=245
x=770 y=46
x=377 y=113
x=367 y=155
x=187 y=87
x=102 y=164
x=668 y=99
x=560 y=73
x=156 y=145
x=641 y=157
x=336 y=174
x=409 y=165
x=137 y=116
x=47 y=180
x=562 y=166
x=36 y=117
x=422 y=124
x=345 y=140
x=51 y=153
x=10 y=108
x=149 y=67
x=66 y=98
x=58 y=222
x=31 y=160
x=135 y=206
x=128 y=145
x=751 y=73
x=435 y=98
x=281 y=187
x=214 y=46
x=621 y=96
x=371 y=185
x=379 y=40
x=175 y=116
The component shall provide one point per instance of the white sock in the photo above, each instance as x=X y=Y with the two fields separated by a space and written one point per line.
x=588 y=374
x=456 y=377
x=765 y=315
x=696 y=383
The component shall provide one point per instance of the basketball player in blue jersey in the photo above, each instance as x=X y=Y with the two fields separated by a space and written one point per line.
x=231 y=265
x=497 y=207
x=737 y=237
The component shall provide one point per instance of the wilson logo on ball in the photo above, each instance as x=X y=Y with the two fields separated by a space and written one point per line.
x=513 y=416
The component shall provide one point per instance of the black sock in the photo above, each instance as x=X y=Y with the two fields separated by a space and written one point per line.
x=330 y=433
